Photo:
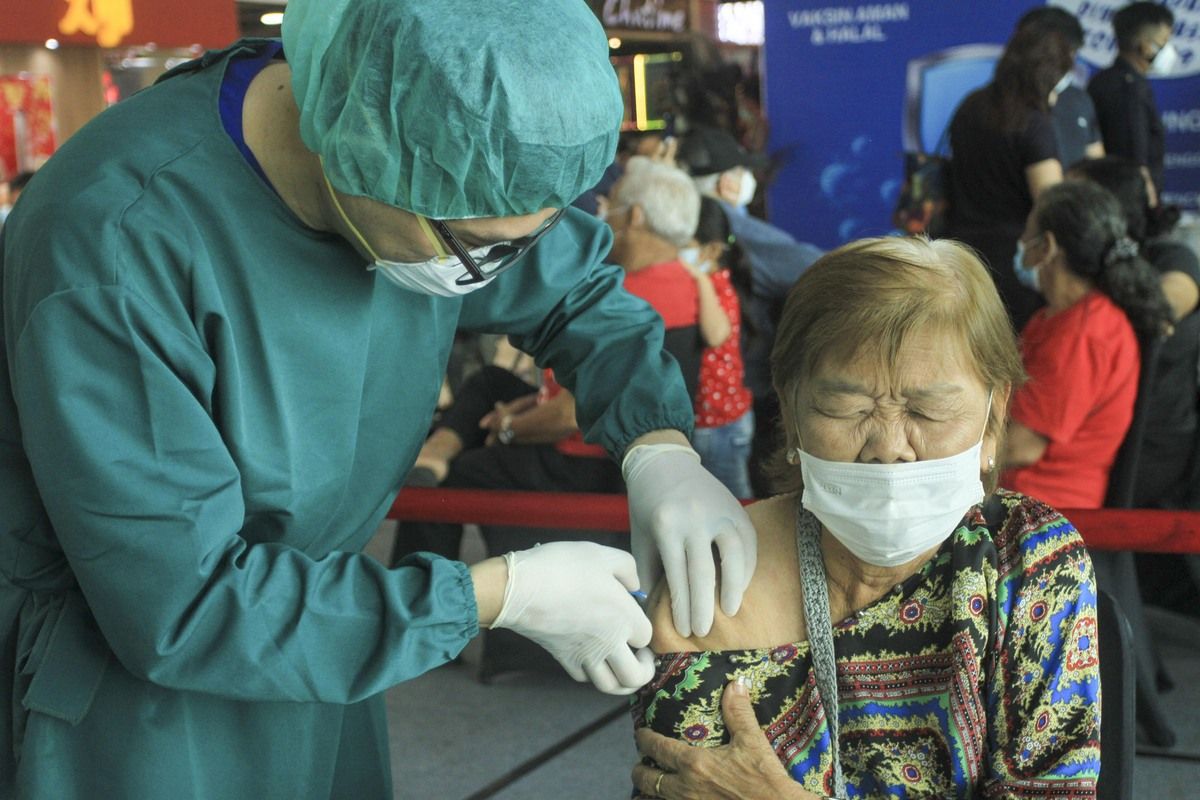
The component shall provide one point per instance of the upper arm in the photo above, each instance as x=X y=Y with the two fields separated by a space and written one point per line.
x=1181 y=292
x=1023 y=445
x=1042 y=175
x=1044 y=689
x=771 y=611
x=1065 y=372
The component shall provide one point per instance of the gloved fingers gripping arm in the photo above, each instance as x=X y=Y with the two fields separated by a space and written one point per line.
x=677 y=511
x=622 y=669
x=737 y=567
x=572 y=598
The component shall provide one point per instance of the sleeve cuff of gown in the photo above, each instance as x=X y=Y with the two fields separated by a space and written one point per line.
x=466 y=588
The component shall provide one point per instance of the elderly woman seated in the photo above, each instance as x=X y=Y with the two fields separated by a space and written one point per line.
x=907 y=633
x=1080 y=349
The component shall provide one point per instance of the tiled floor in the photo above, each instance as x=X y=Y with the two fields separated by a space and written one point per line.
x=454 y=738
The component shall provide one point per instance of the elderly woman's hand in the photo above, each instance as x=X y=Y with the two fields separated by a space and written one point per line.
x=745 y=768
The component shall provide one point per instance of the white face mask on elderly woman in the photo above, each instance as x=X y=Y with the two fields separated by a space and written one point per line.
x=888 y=514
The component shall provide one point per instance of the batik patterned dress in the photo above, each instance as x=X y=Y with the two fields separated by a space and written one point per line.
x=976 y=677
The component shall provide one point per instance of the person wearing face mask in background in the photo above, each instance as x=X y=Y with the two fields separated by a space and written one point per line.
x=724 y=406
x=933 y=612
x=1082 y=354
x=1005 y=153
x=1125 y=105
x=227 y=308
x=1081 y=349
x=724 y=170
x=1074 y=115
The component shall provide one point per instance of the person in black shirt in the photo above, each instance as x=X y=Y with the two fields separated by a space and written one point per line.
x=1005 y=153
x=1075 y=123
x=1125 y=105
x=1173 y=419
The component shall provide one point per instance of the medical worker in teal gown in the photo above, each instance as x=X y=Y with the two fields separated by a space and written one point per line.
x=227 y=308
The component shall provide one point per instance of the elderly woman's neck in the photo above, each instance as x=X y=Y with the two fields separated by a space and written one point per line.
x=853 y=583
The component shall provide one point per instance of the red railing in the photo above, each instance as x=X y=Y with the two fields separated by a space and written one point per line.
x=1142 y=530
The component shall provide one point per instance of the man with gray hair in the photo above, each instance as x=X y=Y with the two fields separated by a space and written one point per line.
x=667 y=199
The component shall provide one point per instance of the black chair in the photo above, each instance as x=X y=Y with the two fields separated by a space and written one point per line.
x=1123 y=476
x=1116 y=571
x=1119 y=701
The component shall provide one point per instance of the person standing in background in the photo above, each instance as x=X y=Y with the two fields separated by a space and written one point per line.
x=1125 y=104
x=1074 y=115
x=1005 y=154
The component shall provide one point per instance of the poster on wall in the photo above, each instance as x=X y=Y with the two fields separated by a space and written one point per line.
x=850 y=86
x=27 y=136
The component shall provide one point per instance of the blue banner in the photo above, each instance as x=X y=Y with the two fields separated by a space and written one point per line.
x=850 y=86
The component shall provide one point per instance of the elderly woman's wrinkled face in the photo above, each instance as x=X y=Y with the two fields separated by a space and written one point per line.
x=928 y=404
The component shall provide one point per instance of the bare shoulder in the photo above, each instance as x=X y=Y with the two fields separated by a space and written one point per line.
x=771 y=609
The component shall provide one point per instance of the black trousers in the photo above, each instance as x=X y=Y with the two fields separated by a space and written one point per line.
x=536 y=468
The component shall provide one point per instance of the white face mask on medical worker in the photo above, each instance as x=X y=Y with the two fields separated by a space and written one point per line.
x=437 y=276
x=888 y=514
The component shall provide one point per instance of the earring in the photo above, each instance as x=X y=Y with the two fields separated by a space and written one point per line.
x=793 y=456
x=991 y=464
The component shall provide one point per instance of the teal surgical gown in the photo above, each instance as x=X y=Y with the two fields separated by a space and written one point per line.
x=206 y=410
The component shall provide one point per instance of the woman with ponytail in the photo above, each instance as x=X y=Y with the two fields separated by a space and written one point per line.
x=1081 y=350
x=1171 y=449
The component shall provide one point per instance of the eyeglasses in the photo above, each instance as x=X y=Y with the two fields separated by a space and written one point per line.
x=498 y=257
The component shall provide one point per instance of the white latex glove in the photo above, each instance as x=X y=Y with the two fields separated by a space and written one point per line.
x=572 y=598
x=677 y=512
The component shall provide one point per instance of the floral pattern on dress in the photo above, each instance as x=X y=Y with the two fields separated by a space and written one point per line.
x=976 y=677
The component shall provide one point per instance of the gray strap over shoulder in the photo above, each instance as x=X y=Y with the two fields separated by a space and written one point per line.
x=820 y=631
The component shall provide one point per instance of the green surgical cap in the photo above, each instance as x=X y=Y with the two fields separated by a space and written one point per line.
x=455 y=109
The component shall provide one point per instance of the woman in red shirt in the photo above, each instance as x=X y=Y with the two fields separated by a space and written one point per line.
x=724 y=406
x=1080 y=350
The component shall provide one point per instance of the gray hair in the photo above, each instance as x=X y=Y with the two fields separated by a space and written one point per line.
x=666 y=196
